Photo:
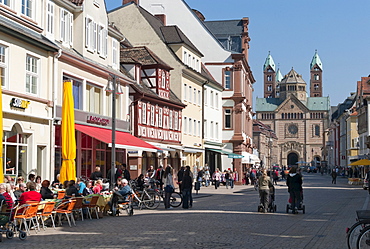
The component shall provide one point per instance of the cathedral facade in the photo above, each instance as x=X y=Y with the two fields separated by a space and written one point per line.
x=298 y=118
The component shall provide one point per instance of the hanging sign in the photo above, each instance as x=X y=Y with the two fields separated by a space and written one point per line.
x=19 y=103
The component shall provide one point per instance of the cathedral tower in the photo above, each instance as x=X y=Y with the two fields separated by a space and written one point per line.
x=316 y=76
x=269 y=78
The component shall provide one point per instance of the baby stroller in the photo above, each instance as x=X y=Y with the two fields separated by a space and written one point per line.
x=120 y=202
x=301 y=206
x=271 y=205
x=7 y=225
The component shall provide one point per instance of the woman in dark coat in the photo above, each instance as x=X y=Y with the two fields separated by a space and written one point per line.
x=294 y=183
x=186 y=187
x=45 y=192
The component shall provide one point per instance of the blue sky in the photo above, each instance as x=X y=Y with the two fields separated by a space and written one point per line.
x=293 y=29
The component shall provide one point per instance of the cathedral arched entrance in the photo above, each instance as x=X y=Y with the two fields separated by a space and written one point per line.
x=292 y=159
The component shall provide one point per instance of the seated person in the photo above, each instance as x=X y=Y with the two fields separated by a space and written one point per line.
x=98 y=187
x=71 y=190
x=81 y=186
x=88 y=190
x=45 y=192
x=6 y=195
x=30 y=195
x=124 y=191
x=21 y=189
x=140 y=182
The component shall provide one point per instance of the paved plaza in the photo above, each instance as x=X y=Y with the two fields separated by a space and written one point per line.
x=222 y=218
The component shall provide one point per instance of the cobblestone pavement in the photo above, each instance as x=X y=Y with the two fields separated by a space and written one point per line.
x=222 y=218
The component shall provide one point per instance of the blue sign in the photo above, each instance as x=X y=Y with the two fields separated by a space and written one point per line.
x=235 y=156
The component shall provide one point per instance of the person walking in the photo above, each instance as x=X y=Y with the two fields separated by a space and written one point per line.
x=334 y=177
x=216 y=177
x=294 y=183
x=169 y=187
x=186 y=185
x=264 y=185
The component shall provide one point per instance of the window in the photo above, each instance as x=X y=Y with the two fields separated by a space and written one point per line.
x=171 y=118
x=205 y=129
x=195 y=128
x=199 y=98
x=212 y=131
x=5 y=2
x=199 y=129
x=317 y=130
x=176 y=121
x=185 y=125
x=160 y=117
x=269 y=77
x=164 y=79
x=316 y=87
x=216 y=101
x=227 y=80
x=269 y=88
x=316 y=77
x=211 y=95
x=190 y=126
x=143 y=113
x=152 y=115
x=93 y=99
x=190 y=93
x=115 y=53
x=3 y=65
x=185 y=90
x=227 y=119
x=216 y=129
x=185 y=59
x=50 y=19
x=66 y=26
x=194 y=96
x=88 y=25
x=27 y=8
x=101 y=40
x=31 y=74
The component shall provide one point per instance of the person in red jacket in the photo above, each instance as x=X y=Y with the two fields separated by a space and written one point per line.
x=30 y=195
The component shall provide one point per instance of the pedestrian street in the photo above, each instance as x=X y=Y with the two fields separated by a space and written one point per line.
x=222 y=218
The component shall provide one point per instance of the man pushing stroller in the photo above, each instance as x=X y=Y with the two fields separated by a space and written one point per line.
x=264 y=184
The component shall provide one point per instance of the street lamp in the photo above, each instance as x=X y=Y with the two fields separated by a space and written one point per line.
x=115 y=88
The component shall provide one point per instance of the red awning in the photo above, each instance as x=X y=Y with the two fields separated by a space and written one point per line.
x=124 y=140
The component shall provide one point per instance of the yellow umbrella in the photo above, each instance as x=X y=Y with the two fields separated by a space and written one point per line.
x=1 y=136
x=361 y=162
x=68 y=170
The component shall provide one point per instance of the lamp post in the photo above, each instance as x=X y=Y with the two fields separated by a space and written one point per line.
x=115 y=88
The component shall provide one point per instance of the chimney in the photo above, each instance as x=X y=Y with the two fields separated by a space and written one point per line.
x=130 y=1
x=161 y=17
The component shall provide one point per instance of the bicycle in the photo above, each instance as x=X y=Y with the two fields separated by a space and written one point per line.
x=354 y=232
x=175 y=197
x=147 y=197
x=363 y=240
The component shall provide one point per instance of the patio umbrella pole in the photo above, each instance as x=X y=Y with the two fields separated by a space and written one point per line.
x=113 y=163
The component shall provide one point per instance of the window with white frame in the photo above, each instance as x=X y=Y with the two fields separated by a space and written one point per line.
x=190 y=126
x=32 y=74
x=5 y=2
x=194 y=96
x=152 y=115
x=211 y=131
x=199 y=129
x=50 y=19
x=143 y=113
x=199 y=98
x=160 y=122
x=216 y=129
x=94 y=37
x=185 y=57
x=3 y=65
x=66 y=27
x=93 y=98
x=195 y=128
x=102 y=41
x=211 y=96
x=190 y=93
x=176 y=121
x=115 y=53
x=185 y=91
x=88 y=26
x=205 y=129
x=27 y=8
x=227 y=118
x=216 y=100
x=227 y=79
x=171 y=119
x=163 y=79
x=185 y=125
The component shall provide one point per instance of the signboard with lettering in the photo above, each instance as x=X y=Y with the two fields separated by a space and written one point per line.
x=97 y=120
x=19 y=103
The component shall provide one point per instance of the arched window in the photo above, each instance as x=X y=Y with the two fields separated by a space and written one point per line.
x=317 y=130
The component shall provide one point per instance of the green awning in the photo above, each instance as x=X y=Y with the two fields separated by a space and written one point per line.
x=229 y=154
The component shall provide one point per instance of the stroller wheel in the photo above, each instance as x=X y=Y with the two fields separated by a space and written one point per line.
x=9 y=234
x=22 y=235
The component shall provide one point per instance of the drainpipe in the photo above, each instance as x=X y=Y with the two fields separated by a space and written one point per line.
x=51 y=122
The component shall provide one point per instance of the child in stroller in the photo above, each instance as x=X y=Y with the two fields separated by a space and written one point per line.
x=301 y=206
x=271 y=205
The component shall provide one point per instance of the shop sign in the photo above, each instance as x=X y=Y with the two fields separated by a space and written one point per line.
x=97 y=120
x=133 y=167
x=133 y=152
x=19 y=103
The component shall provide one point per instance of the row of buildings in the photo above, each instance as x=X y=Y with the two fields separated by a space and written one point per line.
x=183 y=86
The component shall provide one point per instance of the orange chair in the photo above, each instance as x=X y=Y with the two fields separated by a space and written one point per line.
x=79 y=206
x=29 y=214
x=92 y=205
x=46 y=213
x=61 y=194
x=66 y=208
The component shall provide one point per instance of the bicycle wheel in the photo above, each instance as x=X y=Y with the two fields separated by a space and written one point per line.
x=353 y=234
x=363 y=240
x=151 y=200
x=175 y=199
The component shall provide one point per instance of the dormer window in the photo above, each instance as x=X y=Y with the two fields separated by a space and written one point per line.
x=163 y=79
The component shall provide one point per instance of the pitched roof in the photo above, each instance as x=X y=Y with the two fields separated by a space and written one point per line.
x=279 y=76
x=293 y=77
x=316 y=61
x=141 y=55
x=312 y=104
x=267 y=104
x=318 y=103
x=269 y=62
